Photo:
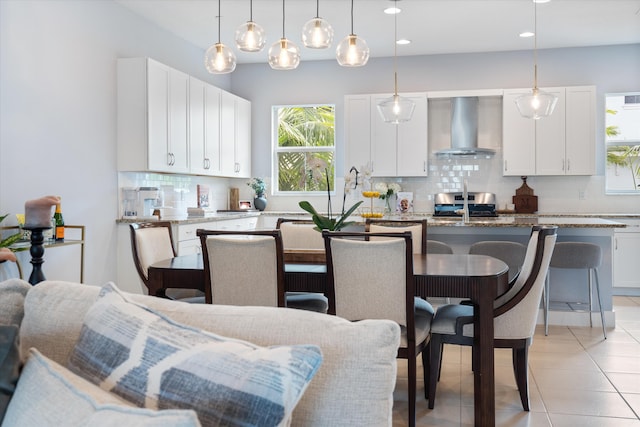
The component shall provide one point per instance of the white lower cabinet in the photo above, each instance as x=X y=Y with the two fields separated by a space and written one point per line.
x=188 y=241
x=626 y=247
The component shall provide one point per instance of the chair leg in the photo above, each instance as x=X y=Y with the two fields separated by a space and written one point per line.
x=435 y=368
x=590 y=297
x=520 y=369
x=545 y=304
x=411 y=371
x=426 y=367
x=604 y=329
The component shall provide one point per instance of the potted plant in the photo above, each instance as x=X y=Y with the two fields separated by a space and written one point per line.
x=329 y=222
x=259 y=187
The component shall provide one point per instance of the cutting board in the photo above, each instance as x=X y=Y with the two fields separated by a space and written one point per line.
x=524 y=200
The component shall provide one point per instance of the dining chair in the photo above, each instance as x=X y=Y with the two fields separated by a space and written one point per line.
x=152 y=242
x=515 y=315
x=247 y=268
x=373 y=279
x=417 y=227
x=299 y=234
x=512 y=253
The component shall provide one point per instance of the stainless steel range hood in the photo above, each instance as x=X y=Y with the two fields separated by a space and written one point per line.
x=464 y=129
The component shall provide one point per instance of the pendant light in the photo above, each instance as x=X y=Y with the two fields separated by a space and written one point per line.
x=352 y=50
x=283 y=54
x=396 y=109
x=537 y=104
x=250 y=36
x=317 y=33
x=219 y=59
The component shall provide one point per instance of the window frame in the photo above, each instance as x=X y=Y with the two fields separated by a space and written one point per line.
x=619 y=142
x=276 y=150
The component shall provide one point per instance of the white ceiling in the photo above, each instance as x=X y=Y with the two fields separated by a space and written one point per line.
x=434 y=26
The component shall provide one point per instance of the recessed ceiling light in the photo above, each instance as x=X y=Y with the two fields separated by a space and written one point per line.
x=526 y=34
x=392 y=10
x=403 y=41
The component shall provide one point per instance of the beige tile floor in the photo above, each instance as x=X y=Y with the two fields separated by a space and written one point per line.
x=575 y=379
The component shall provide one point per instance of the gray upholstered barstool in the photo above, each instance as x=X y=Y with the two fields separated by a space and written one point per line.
x=577 y=255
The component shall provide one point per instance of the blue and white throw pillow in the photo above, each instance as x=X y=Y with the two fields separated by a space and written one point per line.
x=154 y=362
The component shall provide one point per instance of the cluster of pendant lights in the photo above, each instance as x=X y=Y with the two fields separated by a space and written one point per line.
x=317 y=33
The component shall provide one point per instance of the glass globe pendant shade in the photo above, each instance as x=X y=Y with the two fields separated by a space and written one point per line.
x=537 y=104
x=352 y=52
x=250 y=37
x=396 y=109
x=284 y=55
x=317 y=34
x=219 y=59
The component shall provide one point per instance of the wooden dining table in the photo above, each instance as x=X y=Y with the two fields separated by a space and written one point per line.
x=478 y=278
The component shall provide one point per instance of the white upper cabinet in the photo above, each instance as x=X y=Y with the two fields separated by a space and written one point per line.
x=171 y=122
x=560 y=144
x=393 y=150
x=235 y=136
x=204 y=128
x=153 y=104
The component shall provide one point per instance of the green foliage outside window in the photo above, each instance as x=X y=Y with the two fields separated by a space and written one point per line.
x=306 y=148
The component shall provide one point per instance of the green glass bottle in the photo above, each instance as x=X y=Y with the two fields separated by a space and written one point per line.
x=59 y=224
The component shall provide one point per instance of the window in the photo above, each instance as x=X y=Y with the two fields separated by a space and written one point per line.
x=622 y=127
x=304 y=148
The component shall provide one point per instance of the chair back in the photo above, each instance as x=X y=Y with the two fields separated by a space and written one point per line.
x=516 y=311
x=436 y=247
x=417 y=227
x=512 y=253
x=371 y=279
x=243 y=267
x=299 y=234
x=150 y=242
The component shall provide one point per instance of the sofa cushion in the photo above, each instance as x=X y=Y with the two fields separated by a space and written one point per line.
x=9 y=364
x=354 y=385
x=154 y=362
x=50 y=395
x=12 y=294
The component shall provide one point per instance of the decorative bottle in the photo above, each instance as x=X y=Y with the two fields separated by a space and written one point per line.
x=59 y=224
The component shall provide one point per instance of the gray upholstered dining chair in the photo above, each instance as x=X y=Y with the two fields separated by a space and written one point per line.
x=152 y=242
x=373 y=279
x=515 y=316
x=247 y=268
x=512 y=253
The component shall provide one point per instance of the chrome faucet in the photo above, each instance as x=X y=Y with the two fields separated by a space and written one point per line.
x=465 y=201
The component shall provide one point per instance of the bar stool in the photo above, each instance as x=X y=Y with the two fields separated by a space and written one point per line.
x=577 y=255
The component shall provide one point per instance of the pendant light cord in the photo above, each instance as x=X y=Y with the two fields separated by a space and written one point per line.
x=317 y=8
x=251 y=10
x=395 y=47
x=535 y=45
x=218 y=21
x=351 y=16
x=283 y=19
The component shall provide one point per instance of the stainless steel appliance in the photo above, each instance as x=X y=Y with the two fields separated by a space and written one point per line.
x=452 y=204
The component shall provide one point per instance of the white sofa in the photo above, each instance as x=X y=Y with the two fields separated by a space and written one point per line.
x=353 y=386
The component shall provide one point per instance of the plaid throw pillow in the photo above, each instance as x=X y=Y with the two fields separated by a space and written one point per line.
x=154 y=362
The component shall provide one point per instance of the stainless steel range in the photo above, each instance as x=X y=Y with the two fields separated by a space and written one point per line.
x=452 y=204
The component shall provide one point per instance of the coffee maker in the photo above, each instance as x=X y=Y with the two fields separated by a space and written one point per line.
x=139 y=203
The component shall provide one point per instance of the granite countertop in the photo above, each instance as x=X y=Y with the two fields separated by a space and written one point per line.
x=219 y=216
x=571 y=220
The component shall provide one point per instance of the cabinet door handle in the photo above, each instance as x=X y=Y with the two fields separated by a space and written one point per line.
x=424 y=166
x=568 y=165
x=169 y=159
x=615 y=241
x=505 y=166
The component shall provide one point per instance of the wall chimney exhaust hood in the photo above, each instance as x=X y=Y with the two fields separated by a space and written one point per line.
x=464 y=129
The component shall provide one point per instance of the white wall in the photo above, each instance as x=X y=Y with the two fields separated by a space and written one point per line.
x=58 y=101
x=58 y=114
x=609 y=68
